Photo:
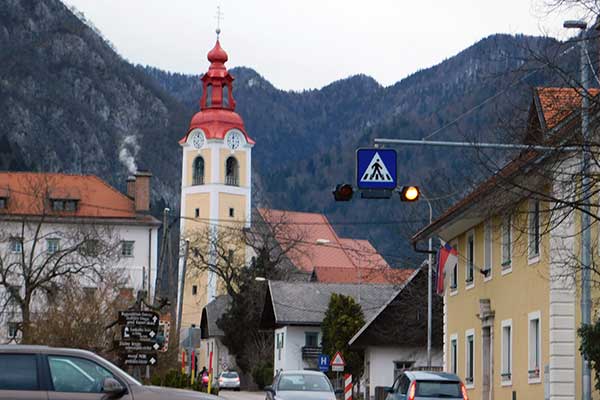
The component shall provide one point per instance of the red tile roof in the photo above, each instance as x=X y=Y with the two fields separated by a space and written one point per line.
x=318 y=248
x=29 y=194
x=362 y=275
x=557 y=103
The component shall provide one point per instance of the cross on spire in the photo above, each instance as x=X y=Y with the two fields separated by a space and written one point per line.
x=218 y=17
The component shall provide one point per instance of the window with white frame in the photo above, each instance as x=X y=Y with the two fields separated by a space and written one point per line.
x=52 y=245
x=16 y=245
x=127 y=248
x=535 y=357
x=506 y=367
x=470 y=357
x=454 y=275
x=506 y=242
x=13 y=330
x=487 y=249
x=534 y=228
x=454 y=354
x=470 y=258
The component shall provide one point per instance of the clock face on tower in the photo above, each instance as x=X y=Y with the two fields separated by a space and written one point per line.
x=234 y=139
x=197 y=139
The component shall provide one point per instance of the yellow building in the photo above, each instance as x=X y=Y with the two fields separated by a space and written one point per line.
x=215 y=184
x=512 y=303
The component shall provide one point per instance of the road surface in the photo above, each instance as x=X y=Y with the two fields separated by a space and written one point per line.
x=231 y=395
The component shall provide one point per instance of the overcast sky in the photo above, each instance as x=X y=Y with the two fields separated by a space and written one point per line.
x=301 y=44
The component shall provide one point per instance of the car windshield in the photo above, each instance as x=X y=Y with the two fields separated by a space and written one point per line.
x=439 y=389
x=229 y=375
x=304 y=382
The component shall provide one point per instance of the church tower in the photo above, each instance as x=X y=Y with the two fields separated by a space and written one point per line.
x=215 y=179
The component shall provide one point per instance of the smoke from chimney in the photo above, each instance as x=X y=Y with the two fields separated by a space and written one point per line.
x=128 y=152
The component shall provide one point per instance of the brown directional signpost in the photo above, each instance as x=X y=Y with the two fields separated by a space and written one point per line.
x=139 y=332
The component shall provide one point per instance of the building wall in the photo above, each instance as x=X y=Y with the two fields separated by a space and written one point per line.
x=135 y=268
x=514 y=294
x=380 y=364
x=213 y=199
x=290 y=357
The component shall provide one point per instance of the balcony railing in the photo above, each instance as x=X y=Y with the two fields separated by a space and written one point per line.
x=311 y=352
x=232 y=180
x=198 y=180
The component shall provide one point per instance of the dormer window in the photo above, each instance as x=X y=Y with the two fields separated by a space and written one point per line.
x=63 y=205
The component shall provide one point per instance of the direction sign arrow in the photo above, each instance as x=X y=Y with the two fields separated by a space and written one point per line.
x=139 y=346
x=139 y=318
x=140 y=359
x=138 y=332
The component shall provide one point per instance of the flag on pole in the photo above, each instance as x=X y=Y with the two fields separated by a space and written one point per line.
x=447 y=259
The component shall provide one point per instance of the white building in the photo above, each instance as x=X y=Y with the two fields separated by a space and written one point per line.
x=394 y=339
x=295 y=311
x=51 y=215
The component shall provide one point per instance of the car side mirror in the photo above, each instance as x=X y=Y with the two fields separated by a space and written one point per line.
x=113 y=388
x=388 y=389
x=269 y=388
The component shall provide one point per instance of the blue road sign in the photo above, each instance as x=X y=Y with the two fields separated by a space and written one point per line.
x=324 y=362
x=376 y=169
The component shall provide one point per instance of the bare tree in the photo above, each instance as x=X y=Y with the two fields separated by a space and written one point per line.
x=42 y=250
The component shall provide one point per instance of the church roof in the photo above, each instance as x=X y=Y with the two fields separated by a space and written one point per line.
x=217 y=114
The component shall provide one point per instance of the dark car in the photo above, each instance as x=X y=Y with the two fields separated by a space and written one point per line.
x=40 y=372
x=424 y=385
x=300 y=385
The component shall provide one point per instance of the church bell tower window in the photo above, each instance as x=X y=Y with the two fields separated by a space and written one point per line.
x=232 y=172
x=209 y=95
x=198 y=176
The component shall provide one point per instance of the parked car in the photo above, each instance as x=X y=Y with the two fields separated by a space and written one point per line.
x=305 y=385
x=229 y=380
x=425 y=385
x=40 y=372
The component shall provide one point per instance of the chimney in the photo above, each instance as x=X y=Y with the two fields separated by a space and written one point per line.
x=131 y=186
x=142 y=191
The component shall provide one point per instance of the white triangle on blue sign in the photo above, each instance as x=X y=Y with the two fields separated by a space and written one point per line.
x=376 y=171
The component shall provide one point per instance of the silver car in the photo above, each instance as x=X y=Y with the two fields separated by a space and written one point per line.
x=229 y=380
x=300 y=385
x=48 y=373
x=425 y=385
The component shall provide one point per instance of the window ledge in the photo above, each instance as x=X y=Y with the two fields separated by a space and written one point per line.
x=453 y=292
x=533 y=381
x=533 y=260
x=506 y=269
x=506 y=383
x=470 y=285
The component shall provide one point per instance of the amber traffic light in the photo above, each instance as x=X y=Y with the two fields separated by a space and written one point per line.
x=343 y=192
x=410 y=193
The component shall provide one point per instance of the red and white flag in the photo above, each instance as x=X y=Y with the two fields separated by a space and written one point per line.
x=447 y=259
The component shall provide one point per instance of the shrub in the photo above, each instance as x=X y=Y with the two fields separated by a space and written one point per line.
x=263 y=374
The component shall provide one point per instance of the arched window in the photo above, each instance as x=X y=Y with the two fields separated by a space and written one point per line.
x=226 y=96
x=208 y=95
x=232 y=172
x=198 y=173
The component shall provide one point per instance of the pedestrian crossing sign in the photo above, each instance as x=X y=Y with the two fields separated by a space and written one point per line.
x=376 y=168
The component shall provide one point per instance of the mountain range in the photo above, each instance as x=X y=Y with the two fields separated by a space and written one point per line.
x=69 y=102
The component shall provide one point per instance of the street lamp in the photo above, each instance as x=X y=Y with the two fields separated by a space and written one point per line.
x=586 y=251
x=413 y=193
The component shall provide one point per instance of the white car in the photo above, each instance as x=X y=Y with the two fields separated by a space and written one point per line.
x=229 y=380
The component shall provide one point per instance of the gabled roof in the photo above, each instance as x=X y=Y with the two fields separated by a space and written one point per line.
x=211 y=314
x=29 y=194
x=557 y=110
x=293 y=303
x=408 y=304
x=318 y=249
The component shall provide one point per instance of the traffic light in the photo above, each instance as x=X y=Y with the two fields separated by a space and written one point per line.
x=343 y=192
x=410 y=193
